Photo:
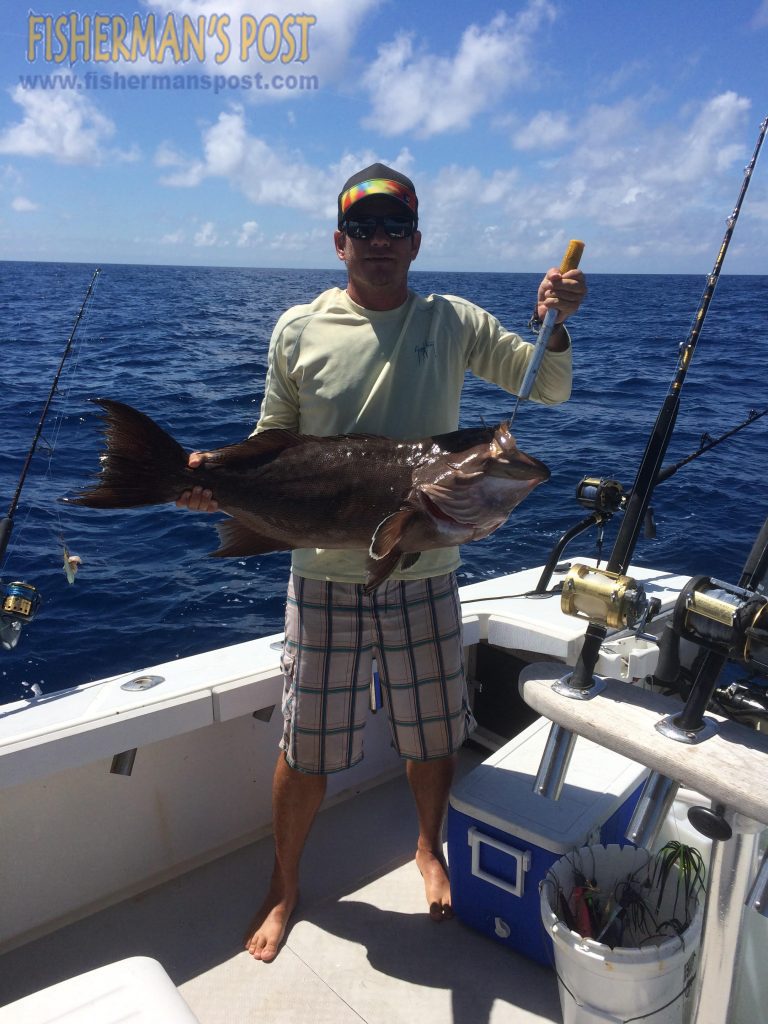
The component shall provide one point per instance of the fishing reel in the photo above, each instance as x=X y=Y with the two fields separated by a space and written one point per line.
x=596 y=494
x=19 y=603
x=726 y=619
x=605 y=497
x=608 y=598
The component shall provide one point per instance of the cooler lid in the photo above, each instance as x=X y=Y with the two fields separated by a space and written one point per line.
x=499 y=792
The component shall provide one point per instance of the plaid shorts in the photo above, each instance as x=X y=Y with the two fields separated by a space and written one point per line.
x=333 y=632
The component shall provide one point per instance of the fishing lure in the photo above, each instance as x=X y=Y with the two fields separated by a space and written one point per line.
x=71 y=564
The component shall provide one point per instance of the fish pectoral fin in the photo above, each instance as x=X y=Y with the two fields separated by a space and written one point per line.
x=379 y=569
x=410 y=559
x=238 y=539
x=384 y=552
x=388 y=534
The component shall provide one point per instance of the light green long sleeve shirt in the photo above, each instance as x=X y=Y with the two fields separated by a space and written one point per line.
x=337 y=368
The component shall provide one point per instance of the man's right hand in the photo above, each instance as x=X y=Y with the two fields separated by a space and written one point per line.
x=199 y=499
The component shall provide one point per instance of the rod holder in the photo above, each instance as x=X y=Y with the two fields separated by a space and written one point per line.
x=567 y=687
x=670 y=727
x=122 y=764
x=652 y=808
x=559 y=748
x=554 y=762
x=758 y=894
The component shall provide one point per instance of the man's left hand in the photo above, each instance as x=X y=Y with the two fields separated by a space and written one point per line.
x=563 y=292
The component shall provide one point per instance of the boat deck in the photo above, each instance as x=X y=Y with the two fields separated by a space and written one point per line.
x=361 y=946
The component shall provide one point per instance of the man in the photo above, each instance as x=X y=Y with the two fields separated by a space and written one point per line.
x=378 y=358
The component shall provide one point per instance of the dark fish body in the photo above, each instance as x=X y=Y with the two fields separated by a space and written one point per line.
x=285 y=490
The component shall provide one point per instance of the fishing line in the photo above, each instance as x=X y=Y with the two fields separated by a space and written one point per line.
x=19 y=601
x=33 y=506
x=64 y=389
x=6 y=524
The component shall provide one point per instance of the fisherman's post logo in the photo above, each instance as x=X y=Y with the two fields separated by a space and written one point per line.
x=178 y=39
x=170 y=43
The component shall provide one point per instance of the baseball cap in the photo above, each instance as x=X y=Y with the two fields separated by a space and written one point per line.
x=378 y=180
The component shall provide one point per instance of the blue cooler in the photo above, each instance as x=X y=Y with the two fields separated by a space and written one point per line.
x=503 y=838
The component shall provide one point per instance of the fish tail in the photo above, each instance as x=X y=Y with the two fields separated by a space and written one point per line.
x=142 y=464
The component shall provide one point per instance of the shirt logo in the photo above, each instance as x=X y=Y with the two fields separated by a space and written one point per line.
x=422 y=351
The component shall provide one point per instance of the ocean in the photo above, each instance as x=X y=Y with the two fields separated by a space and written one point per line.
x=189 y=345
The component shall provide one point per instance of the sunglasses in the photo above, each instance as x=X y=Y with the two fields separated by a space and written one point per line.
x=365 y=227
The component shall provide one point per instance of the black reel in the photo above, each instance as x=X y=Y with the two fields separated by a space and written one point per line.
x=598 y=494
x=728 y=622
x=726 y=619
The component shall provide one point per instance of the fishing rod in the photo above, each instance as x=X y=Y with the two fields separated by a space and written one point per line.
x=707 y=443
x=581 y=683
x=658 y=442
x=20 y=601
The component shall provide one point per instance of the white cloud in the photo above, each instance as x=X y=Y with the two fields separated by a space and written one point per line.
x=10 y=177
x=249 y=234
x=544 y=131
x=23 y=205
x=167 y=156
x=300 y=241
x=263 y=173
x=644 y=191
x=648 y=189
x=618 y=170
x=706 y=146
x=225 y=144
x=206 y=235
x=609 y=135
x=413 y=90
x=641 y=188
x=654 y=181
x=329 y=39
x=188 y=177
x=467 y=187
x=60 y=124
x=173 y=238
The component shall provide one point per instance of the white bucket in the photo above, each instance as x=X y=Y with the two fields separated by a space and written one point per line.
x=599 y=984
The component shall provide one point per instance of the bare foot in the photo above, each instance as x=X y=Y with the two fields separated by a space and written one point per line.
x=434 y=871
x=268 y=927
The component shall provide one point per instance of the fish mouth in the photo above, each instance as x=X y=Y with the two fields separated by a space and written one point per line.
x=533 y=471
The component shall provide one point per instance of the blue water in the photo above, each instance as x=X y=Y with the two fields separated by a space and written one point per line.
x=188 y=346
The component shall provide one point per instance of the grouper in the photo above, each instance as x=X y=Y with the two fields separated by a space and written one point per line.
x=285 y=490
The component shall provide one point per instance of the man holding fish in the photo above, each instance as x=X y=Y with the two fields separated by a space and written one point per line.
x=378 y=359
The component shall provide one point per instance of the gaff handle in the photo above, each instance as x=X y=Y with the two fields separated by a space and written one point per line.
x=572 y=256
x=570 y=262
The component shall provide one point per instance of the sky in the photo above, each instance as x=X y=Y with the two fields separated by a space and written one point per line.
x=523 y=124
